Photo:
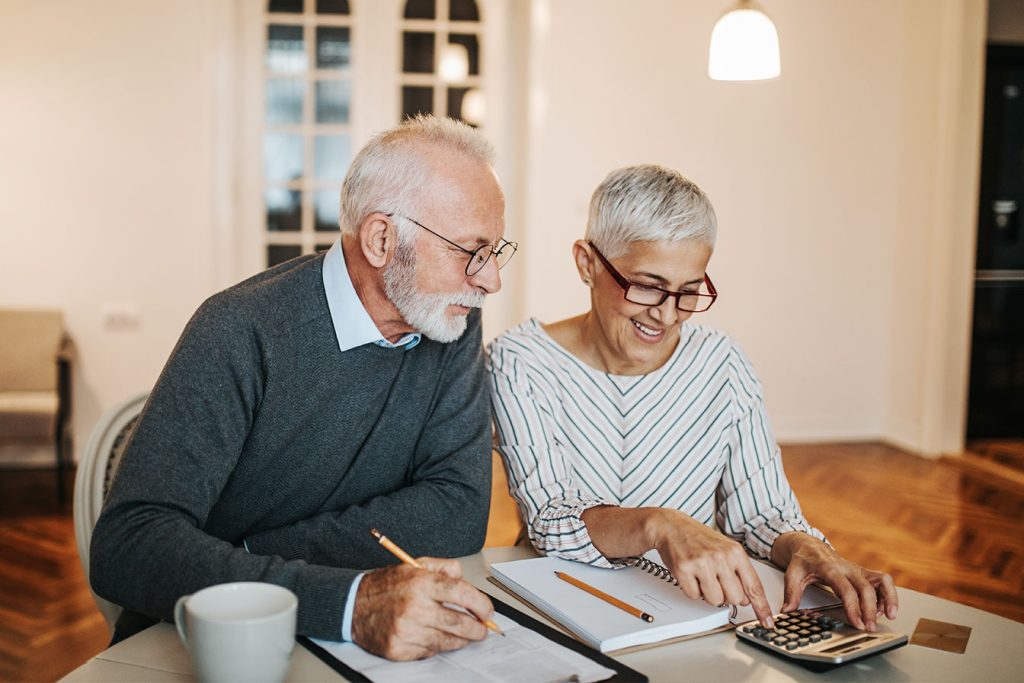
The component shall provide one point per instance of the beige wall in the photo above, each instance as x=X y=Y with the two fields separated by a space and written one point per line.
x=844 y=189
x=106 y=183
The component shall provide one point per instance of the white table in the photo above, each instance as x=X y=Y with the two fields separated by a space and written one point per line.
x=995 y=651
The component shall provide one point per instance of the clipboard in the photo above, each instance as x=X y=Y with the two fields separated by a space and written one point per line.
x=623 y=674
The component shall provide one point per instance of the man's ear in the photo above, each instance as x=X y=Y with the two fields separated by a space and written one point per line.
x=584 y=257
x=378 y=238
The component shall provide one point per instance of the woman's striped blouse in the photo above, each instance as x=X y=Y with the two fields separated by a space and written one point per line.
x=692 y=435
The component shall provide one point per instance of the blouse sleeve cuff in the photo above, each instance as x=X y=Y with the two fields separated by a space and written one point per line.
x=760 y=539
x=559 y=531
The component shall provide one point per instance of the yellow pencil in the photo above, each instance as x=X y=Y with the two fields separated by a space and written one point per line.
x=410 y=560
x=612 y=600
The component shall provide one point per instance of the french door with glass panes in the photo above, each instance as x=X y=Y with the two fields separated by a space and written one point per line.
x=334 y=72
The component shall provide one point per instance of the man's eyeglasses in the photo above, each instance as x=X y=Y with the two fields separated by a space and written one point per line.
x=477 y=257
x=691 y=301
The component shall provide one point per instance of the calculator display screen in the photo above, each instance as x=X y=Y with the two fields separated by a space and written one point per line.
x=848 y=644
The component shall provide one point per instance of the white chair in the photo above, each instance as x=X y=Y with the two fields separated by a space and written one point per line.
x=92 y=482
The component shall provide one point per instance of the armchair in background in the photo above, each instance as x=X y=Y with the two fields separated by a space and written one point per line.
x=35 y=384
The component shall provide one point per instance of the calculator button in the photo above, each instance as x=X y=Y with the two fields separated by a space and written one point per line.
x=780 y=641
x=826 y=635
x=790 y=646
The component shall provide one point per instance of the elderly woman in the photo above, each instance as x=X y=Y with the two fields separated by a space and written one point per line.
x=630 y=427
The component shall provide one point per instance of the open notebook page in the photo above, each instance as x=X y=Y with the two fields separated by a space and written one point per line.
x=522 y=655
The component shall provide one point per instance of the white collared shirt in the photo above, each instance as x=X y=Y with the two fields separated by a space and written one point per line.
x=353 y=325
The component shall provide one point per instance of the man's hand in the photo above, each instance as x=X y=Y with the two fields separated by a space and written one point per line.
x=866 y=594
x=400 y=611
x=709 y=565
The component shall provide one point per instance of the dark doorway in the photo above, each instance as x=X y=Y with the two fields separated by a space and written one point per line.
x=996 y=399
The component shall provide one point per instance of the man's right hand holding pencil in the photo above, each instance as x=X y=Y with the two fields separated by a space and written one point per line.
x=401 y=613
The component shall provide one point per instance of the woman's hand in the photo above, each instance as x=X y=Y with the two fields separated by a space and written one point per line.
x=866 y=594
x=707 y=564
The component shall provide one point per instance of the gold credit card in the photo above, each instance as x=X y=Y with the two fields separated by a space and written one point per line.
x=941 y=636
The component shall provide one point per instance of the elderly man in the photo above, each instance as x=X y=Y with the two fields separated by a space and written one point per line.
x=324 y=397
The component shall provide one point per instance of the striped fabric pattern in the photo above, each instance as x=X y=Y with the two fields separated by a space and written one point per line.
x=693 y=435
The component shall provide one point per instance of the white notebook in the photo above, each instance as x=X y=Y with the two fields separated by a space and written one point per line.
x=608 y=628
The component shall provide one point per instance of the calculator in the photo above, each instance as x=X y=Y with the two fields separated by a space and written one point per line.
x=818 y=638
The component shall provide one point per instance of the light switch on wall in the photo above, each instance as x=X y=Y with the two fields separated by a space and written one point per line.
x=121 y=317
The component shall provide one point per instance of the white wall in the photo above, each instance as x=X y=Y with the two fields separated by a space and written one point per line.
x=814 y=177
x=106 y=187
x=840 y=187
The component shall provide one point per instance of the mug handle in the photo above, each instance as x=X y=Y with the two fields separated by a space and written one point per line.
x=179 y=618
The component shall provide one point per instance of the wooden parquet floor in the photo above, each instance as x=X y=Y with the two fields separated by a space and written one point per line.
x=49 y=623
x=931 y=524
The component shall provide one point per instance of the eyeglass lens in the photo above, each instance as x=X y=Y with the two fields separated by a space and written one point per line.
x=692 y=303
x=478 y=259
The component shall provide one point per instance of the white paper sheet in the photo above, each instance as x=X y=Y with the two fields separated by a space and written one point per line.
x=522 y=655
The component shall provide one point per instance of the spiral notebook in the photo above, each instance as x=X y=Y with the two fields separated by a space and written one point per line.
x=646 y=585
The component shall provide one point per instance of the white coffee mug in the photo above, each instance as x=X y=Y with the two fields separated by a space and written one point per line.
x=242 y=631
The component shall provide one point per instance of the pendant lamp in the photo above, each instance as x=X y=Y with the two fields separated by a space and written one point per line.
x=454 y=63
x=744 y=46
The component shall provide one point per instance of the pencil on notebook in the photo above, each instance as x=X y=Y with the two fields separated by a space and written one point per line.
x=626 y=607
x=410 y=560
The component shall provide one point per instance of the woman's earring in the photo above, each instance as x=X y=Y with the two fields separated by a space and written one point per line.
x=586 y=281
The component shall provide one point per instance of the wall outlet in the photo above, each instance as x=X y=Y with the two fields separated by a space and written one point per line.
x=121 y=317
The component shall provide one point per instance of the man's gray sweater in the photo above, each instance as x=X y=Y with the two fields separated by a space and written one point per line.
x=260 y=429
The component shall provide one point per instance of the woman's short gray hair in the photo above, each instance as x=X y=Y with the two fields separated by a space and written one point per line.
x=648 y=203
x=391 y=171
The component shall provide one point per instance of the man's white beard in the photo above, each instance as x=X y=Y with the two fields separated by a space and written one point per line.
x=424 y=311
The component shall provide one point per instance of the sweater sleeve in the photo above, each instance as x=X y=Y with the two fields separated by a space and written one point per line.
x=443 y=509
x=540 y=477
x=149 y=546
x=756 y=502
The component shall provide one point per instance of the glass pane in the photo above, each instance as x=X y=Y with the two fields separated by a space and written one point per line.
x=455 y=96
x=285 y=6
x=284 y=209
x=417 y=52
x=332 y=101
x=472 y=44
x=332 y=6
x=333 y=47
x=417 y=100
x=327 y=207
x=332 y=153
x=282 y=157
x=279 y=253
x=284 y=100
x=420 y=9
x=286 y=50
x=463 y=10
x=323 y=247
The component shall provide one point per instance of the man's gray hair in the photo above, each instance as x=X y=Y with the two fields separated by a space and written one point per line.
x=648 y=203
x=391 y=170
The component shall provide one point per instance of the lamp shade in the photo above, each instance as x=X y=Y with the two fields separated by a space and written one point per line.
x=474 y=107
x=744 y=47
x=454 y=63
